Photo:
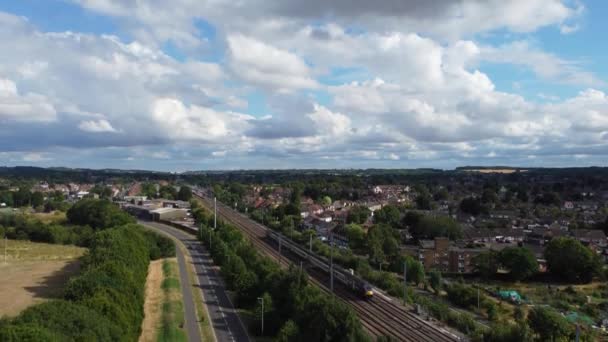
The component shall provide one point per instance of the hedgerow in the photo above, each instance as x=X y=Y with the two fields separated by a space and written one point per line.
x=105 y=301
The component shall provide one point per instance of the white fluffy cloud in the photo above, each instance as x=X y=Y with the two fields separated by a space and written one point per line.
x=338 y=81
x=98 y=126
x=181 y=122
x=30 y=107
x=440 y=18
x=267 y=66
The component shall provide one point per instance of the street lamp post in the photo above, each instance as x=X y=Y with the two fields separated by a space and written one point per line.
x=261 y=300
x=214 y=212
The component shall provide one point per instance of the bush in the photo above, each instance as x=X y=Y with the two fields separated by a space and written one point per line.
x=70 y=320
x=26 y=333
x=99 y=214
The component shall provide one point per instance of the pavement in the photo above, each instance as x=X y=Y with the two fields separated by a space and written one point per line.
x=226 y=323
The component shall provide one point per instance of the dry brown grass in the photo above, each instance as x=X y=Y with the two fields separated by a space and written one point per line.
x=56 y=217
x=34 y=272
x=152 y=305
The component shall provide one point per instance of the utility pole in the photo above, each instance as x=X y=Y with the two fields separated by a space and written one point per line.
x=310 y=243
x=331 y=262
x=261 y=299
x=214 y=212
x=5 y=241
x=404 y=281
x=280 y=255
x=300 y=275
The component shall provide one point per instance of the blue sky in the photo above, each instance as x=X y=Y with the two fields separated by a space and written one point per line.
x=280 y=84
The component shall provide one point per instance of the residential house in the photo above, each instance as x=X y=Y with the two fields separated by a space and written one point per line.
x=441 y=255
x=590 y=237
x=311 y=210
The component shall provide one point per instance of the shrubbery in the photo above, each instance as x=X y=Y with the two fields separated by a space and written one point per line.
x=22 y=227
x=294 y=310
x=104 y=302
x=98 y=214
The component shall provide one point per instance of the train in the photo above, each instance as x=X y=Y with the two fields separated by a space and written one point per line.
x=345 y=276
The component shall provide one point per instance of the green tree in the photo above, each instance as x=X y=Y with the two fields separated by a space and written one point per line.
x=423 y=201
x=562 y=253
x=486 y=264
x=472 y=206
x=415 y=270
x=489 y=196
x=326 y=201
x=37 y=199
x=411 y=219
x=358 y=214
x=356 y=236
x=435 y=280
x=441 y=195
x=167 y=192
x=185 y=193
x=289 y=332
x=389 y=214
x=429 y=227
x=22 y=197
x=382 y=243
x=548 y=198
x=520 y=262
x=522 y=194
x=6 y=197
x=99 y=214
x=548 y=324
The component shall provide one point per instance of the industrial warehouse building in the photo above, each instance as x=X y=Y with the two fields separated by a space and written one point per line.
x=156 y=214
x=168 y=214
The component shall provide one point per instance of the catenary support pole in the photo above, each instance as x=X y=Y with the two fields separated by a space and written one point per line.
x=404 y=282
x=331 y=262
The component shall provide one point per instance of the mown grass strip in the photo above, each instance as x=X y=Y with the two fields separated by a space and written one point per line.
x=172 y=309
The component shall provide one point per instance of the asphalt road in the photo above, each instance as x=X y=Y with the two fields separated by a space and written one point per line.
x=226 y=323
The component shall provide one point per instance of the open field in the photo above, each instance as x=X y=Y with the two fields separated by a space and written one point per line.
x=152 y=305
x=56 y=217
x=33 y=272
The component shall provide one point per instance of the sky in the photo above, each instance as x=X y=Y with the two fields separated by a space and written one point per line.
x=270 y=84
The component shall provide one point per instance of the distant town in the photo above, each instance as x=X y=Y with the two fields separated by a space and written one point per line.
x=481 y=246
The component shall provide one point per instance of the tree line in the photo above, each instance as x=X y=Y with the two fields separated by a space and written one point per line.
x=294 y=310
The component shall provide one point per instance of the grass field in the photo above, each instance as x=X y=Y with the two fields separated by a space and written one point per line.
x=164 y=312
x=172 y=315
x=33 y=272
x=56 y=217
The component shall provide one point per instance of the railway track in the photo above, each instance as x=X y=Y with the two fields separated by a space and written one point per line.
x=379 y=316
